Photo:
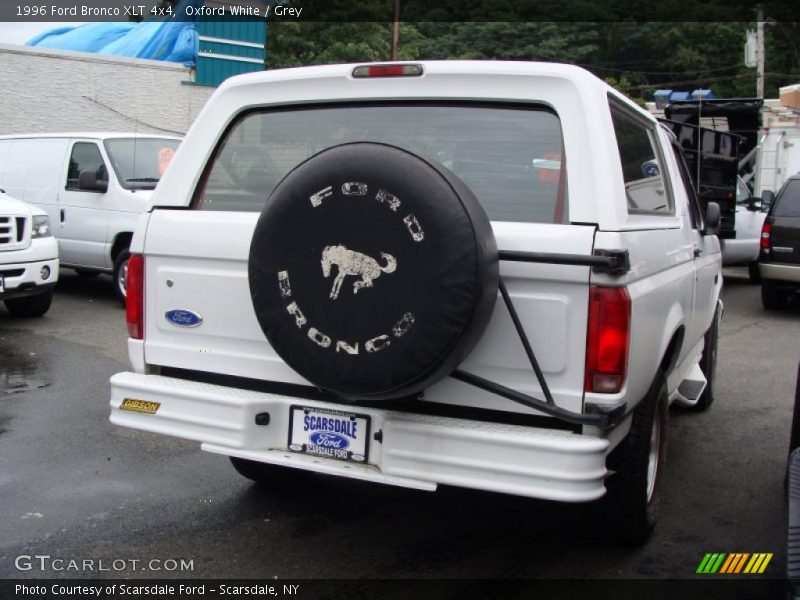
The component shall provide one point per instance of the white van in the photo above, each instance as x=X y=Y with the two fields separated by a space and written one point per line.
x=93 y=186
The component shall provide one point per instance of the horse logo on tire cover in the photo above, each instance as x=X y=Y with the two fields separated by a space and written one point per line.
x=350 y=262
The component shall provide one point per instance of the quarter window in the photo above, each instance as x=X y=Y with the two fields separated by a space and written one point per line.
x=788 y=203
x=641 y=167
x=695 y=213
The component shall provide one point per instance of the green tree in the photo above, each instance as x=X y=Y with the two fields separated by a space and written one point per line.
x=294 y=44
x=638 y=57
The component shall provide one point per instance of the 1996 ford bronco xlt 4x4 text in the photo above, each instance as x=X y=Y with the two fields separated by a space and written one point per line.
x=489 y=275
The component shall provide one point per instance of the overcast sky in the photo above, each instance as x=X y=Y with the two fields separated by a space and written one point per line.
x=19 y=33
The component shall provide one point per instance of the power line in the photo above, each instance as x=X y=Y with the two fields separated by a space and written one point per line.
x=714 y=70
x=674 y=83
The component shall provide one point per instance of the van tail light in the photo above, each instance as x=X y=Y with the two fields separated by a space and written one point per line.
x=607 y=339
x=766 y=236
x=134 y=300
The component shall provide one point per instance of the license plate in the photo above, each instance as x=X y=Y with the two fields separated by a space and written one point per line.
x=329 y=433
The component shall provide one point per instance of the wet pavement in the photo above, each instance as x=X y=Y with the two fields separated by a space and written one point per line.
x=74 y=487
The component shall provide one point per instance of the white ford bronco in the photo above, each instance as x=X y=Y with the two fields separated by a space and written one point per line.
x=493 y=275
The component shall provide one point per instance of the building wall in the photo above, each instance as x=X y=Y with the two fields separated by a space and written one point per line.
x=230 y=46
x=46 y=90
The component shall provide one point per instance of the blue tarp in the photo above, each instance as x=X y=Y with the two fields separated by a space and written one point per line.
x=174 y=40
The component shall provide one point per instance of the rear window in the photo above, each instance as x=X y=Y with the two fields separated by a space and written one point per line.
x=511 y=158
x=788 y=203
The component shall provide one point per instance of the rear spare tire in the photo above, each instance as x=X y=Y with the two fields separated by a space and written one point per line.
x=372 y=271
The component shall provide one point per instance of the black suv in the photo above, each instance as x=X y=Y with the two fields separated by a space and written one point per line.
x=779 y=259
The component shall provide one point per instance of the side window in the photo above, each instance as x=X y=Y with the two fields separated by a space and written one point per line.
x=695 y=213
x=788 y=201
x=85 y=157
x=641 y=167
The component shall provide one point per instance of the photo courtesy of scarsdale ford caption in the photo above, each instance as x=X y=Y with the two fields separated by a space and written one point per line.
x=113 y=590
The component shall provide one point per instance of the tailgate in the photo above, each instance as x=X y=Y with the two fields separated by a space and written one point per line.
x=197 y=261
x=786 y=240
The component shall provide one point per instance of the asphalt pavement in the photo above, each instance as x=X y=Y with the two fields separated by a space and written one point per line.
x=75 y=487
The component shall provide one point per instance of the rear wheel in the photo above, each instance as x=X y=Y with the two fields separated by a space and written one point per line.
x=631 y=505
x=30 y=306
x=121 y=275
x=772 y=297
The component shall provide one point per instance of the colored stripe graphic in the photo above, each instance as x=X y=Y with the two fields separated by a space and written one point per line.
x=758 y=563
x=732 y=558
x=742 y=560
x=734 y=563
x=711 y=562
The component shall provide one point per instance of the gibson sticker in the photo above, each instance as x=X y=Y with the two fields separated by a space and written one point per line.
x=141 y=406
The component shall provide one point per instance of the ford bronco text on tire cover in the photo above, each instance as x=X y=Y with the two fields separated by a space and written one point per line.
x=489 y=275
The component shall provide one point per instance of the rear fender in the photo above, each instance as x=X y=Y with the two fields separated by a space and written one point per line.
x=674 y=322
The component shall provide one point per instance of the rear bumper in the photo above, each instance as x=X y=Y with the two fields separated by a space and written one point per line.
x=415 y=451
x=780 y=272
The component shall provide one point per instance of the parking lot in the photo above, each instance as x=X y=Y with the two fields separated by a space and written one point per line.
x=75 y=487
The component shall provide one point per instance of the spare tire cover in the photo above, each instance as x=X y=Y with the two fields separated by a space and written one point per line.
x=372 y=271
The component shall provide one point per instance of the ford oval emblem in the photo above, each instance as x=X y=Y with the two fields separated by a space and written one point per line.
x=183 y=318
x=326 y=439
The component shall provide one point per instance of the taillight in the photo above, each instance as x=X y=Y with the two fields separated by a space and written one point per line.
x=134 y=300
x=766 y=236
x=607 y=339
x=393 y=70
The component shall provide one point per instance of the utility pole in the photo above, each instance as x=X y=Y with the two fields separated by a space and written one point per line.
x=759 y=52
x=396 y=30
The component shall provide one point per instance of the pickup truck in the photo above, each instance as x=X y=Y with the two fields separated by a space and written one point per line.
x=713 y=160
x=28 y=258
x=492 y=275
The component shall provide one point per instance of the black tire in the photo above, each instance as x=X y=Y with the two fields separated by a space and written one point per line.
x=630 y=508
x=708 y=364
x=87 y=273
x=753 y=272
x=265 y=473
x=772 y=297
x=121 y=274
x=373 y=272
x=30 y=306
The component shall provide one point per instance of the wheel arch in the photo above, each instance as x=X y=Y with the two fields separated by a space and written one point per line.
x=672 y=340
x=669 y=357
x=121 y=241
